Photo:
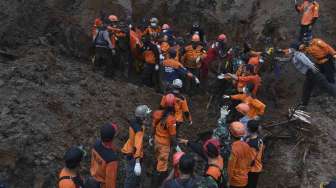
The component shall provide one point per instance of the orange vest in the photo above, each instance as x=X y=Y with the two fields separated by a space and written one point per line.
x=66 y=183
x=134 y=144
x=244 y=80
x=104 y=165
x=319 y=50
x=181 y=107
x=164 y=128
x=215 y=171
x=191 y=55
x=239 y=164
x=152 y=31
x=257 y=108
x=309 y=12
x=149 y=57
x=164 y=49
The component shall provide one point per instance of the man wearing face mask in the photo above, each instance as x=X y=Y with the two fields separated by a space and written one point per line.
x=310 y=13
x=133 y=148
x=153 y=29
x=194 y=53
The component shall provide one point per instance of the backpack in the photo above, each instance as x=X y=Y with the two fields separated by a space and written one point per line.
x=76 y=180
x=99 y=40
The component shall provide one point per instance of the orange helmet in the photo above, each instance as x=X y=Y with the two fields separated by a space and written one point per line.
x=113 y=18
x=170 y=100
x=221 y=37
x=176 y=157
x=237 y=129
x=243 y=108
x=165 y=26
x=195 y=38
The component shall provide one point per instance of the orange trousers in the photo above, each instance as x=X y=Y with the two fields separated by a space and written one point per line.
x=162 y=156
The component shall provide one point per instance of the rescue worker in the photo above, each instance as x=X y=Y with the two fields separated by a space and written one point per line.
x=173 y=69
x=153 y=29
x=257 y=147
x=324 y=56
x=104 y=50
x=104 y=158
x=197 y=30
x=164 y=133
x=120 y=38
x=150 y=74
x=186 y=170
x=310 y=13
x=192 y=58
x=164 y=46
x=256 y=107
x=133 y=148
x=181 y=109
x=218 y=50
x=313 y=76
x=240 y=161
x=210 y=152
x=69 y=176
x=166 y=30
x=248 y=76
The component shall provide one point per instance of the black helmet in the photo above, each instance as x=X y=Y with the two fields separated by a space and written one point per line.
x=73 y=157
x=107 y=132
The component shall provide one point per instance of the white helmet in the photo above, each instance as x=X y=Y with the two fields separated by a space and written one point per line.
x=177 y=83
x=142 y=111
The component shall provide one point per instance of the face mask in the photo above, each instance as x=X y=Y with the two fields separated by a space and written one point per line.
x=245 y=90
x=153 y=24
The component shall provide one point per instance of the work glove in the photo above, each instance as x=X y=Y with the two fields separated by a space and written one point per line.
x=157 y=67
x=226 y=97
x=178 y=149
x=151 y=141
x=224 y=111
x=197 y=81
x=137 y=169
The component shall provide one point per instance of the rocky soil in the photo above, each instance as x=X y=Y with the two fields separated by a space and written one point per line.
x=50 y=99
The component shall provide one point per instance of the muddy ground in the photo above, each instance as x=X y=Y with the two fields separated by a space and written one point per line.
x=50 y=99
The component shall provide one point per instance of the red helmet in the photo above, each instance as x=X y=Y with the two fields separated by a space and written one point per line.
x=165 y=26
x=237 y=129
x=221 y=37
x=170 y=100
x=243 y=108
x=212 y=141
x=113 y=18
x=195 y=38
x=176 y=157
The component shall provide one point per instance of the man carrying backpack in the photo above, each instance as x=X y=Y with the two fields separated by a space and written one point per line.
x=69 y=177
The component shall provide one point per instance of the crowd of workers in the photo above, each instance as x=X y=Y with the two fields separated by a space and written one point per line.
x=232 y=153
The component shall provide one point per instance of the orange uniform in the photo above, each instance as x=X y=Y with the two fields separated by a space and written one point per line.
x=257 y=108
x=134 y=145
x=181 y=108
x=165 y=129
x=65 y=179
x=239 y=164
x=191 y=55
x=244 y=80
x=104 y=165
x=319 y=50
x=257 y=149
x=164 y=49
x=152 y=31
x=215 y=170
x=309 y=11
